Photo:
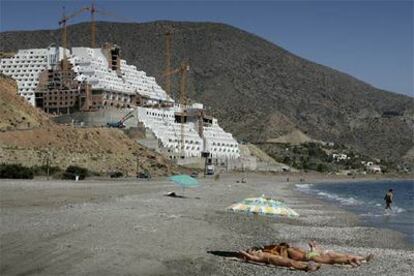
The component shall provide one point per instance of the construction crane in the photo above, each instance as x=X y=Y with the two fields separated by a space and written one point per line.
x=182 y=70
x=93 y=24
x=121 y=123
x=200 y=123
x=93 y=10
x=64 y=32
x=168 y=39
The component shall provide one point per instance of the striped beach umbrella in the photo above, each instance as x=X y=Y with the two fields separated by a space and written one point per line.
x=263 y=206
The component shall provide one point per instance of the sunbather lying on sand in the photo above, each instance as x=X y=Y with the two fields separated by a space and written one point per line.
x=315 y=254
x=258 y=256
x=284 y=255
x=355 y=259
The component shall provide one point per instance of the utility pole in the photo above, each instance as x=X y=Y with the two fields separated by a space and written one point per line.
x=205 y=154
x=48 y=158
x=137 y=163
x=205 y=165
x=48 y=165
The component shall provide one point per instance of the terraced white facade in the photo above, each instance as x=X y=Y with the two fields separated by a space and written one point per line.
x=92 y=65
x=26 y=65
x=219 y=143
x=89 y=64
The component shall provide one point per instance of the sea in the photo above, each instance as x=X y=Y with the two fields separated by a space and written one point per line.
x=366 y=199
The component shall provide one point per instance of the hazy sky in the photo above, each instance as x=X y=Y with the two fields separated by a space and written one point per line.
x=371 y=40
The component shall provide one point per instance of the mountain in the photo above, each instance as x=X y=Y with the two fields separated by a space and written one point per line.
x=258 y=90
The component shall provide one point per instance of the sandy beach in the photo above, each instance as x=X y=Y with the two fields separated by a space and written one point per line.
x=128 y=227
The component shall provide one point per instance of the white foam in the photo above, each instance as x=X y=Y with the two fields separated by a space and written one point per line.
x=384 y=212
x=369 y=214
x=304 y=186
x=307 y=188
x=343 y=200
x=396 y=209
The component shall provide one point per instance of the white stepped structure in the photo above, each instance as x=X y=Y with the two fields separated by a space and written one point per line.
x=90 y=65
x=93 y=67
x=26 y=65
x=162 y=123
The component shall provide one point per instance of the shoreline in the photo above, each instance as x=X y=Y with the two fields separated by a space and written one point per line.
x=352 y=208
x=99 y=227
x=400 y=239
x=352 y=180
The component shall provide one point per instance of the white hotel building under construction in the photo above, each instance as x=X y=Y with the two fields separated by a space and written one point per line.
x=99 y=79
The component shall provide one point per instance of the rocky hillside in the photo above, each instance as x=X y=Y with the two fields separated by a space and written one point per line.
x=17 y=113
x=258 y=90
x=29 y=137
x=99 y=150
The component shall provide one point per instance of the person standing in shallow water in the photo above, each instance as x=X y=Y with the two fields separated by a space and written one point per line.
x=388 y=199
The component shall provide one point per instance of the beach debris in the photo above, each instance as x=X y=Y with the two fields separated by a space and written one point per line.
x=243 y=180
x=173 y=194
x=263 y=206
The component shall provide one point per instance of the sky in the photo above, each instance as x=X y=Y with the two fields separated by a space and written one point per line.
x=368 y=39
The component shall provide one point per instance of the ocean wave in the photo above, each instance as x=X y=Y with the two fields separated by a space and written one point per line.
x=348 y=201
x=343 y=200
x=304 y=186
x=307 y=188
x=396 y=209
x=369 y=214
x=382 y=212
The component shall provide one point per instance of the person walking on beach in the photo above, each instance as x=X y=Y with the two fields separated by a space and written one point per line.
x=388 y=199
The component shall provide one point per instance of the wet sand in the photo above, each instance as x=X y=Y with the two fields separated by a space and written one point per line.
x=128 y=227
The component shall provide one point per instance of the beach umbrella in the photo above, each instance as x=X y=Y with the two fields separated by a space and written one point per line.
x=184 y=181
x=263 y=206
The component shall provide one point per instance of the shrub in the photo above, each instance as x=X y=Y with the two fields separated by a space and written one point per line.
x=15 y=171
x=72 y=171
x=286 y=160
x=116 y=174
x=42 y=170
x=322 y=167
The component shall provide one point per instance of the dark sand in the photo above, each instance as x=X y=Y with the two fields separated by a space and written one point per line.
x=127 y=227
